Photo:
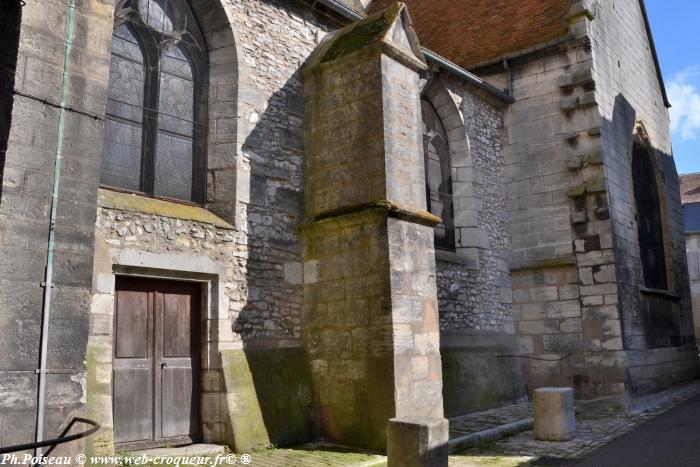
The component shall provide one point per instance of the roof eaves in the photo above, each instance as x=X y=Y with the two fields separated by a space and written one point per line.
x=442 y=62
x=343 y=9
x=523 y=52
x=467 y=75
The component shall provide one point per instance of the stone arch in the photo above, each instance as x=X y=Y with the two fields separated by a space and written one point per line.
x=641 y=147
x=226 y=78
x=467 y=205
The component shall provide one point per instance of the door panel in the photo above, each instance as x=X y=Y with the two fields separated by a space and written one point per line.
x=133 y=415
x=175 y=348
x=176 y=324
x=133 y=363
x=177 y=402
x=156 y=360
x=132 y=323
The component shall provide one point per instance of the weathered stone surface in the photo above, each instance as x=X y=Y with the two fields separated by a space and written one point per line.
x=268 y=398
x=554 y=414
x=418 y=442
x=370 y=316
x=574 y=287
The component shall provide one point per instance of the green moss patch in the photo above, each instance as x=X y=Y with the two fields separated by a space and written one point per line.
x=269 y=397
x=361 y=35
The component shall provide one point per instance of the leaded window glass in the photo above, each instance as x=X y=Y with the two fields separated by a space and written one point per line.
x=438 y=176
x=155 y=126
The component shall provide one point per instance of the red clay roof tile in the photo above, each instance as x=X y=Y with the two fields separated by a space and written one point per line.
x=471 y=32
x=690 y=188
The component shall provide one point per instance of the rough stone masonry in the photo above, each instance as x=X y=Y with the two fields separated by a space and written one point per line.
x=326 y=305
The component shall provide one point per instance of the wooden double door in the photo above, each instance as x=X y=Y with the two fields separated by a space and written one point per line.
x=155 y=395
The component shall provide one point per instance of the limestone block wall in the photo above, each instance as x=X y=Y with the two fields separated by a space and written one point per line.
x=565 y=166
x=630 y=100
x=474 y=285
x=693 y=252
x=27 y=184
x=10 y=22
x=558 y=224
x=254 y=154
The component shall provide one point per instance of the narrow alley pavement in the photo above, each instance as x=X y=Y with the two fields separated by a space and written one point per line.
x=671 y=439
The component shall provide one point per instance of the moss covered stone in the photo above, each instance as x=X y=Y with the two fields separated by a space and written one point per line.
x=99 y=400
x=269 y=397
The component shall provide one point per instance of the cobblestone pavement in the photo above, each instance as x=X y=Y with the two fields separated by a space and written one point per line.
x=522 y=449
x=492 y=418
x=315 y=455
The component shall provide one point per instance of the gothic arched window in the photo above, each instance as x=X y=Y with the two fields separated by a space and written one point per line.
x=649 y=220
x=155 y=122
x=438 y=176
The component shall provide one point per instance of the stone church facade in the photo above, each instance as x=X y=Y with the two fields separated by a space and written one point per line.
x=690 y=197
x=263 y=222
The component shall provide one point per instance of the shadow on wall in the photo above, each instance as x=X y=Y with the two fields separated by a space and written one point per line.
x=270 y=377
x=10 y=20
x=649 y=319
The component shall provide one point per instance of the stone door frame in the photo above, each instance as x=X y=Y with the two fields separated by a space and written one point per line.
x=216 y=333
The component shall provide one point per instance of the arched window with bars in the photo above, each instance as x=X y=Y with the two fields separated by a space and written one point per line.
x=438 y=176
x=155 y=123
x=649 y=218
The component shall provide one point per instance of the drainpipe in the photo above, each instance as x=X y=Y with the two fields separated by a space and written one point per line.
x=510 y=76
x=48 y=274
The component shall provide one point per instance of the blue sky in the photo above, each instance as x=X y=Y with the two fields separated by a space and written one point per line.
x=677 y=36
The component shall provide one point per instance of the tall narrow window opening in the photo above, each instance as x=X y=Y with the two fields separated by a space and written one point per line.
x=155 y=126
x=649 y=220
x=10 y=20
x=438 y=176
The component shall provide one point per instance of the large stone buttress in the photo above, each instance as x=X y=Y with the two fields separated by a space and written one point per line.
x=370 y=322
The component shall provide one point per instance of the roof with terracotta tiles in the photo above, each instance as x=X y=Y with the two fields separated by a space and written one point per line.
x=471 y=32
x=690 y=188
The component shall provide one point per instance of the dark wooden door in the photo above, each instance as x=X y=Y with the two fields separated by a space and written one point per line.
x=156 y=362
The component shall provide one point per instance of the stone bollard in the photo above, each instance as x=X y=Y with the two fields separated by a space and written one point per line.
x=555 y=418
x=417 y=442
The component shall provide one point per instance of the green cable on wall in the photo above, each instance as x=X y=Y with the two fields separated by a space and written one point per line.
x=48 y=275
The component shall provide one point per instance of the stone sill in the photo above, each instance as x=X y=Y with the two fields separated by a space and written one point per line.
x=451 y=257
x=142 y=204
x=563 y=261
x=664 y=293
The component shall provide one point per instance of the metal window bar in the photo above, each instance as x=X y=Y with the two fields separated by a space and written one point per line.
x=162 y=153
x=63 y=438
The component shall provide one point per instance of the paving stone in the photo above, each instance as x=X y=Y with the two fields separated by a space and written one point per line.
x=593 y=429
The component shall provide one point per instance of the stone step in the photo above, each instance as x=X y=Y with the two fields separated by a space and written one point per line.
x=200 y=450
